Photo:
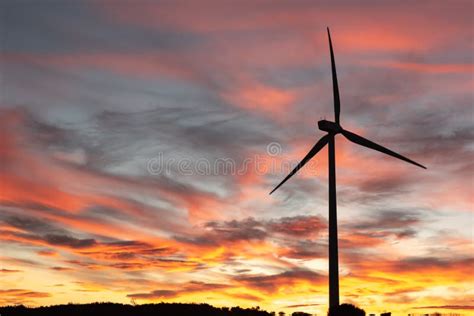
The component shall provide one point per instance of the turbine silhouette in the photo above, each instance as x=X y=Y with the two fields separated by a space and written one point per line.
x=332 y=129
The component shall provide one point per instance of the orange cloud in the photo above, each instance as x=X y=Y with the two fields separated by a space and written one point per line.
x=19 y=296
x=427 y=68
x=258 y=98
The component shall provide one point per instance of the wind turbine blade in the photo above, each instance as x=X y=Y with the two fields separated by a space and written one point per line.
x=316 y=148
x=369 y=144
x=335 y=87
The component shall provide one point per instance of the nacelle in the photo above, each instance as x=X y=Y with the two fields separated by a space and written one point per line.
x=330 y=127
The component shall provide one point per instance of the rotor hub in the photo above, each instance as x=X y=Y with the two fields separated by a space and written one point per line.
x=330 y=127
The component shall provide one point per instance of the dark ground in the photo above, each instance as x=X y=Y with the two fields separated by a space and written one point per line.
x=115 y=309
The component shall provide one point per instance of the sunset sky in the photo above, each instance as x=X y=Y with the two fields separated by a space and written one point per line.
x=140 y=139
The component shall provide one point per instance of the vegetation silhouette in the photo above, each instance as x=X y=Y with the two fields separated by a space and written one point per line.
x=117 y=309
x=345 y=310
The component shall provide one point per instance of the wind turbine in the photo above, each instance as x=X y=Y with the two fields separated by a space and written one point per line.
x=332 y=129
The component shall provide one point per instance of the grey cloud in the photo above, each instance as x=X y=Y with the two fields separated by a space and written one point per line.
x=251 y=229
x=121 y=144
x=155 y=294
x=298 y=225
x=305 y=249
x=380 y=226
x=143 y=214
x=392 y=219
x=247 y=229
x=392 y=184
x=270 y=283
x=190 y=287
x=29 y=224
x=424 y=263
x=205 y=133
x=38 y=230
x=63 y=240
x=33 y=28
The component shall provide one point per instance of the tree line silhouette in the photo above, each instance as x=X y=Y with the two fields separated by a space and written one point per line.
x=118 y=309
x=177 y=309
